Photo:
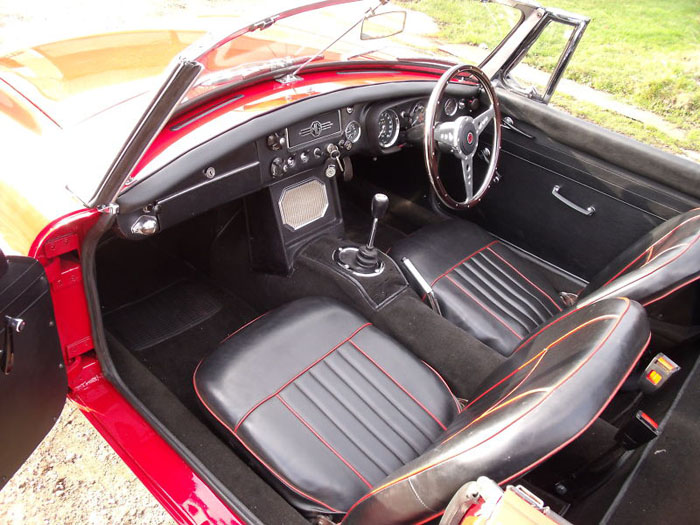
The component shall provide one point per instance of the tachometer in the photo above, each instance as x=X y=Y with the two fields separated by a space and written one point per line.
x=450 y=107
x=388 y=128
x=353 y=131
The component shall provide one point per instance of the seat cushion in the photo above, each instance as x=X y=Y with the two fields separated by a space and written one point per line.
x=481 y=284
x=326 y=404
x=554 y=386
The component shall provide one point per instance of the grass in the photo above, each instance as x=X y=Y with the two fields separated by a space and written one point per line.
x=644 y=52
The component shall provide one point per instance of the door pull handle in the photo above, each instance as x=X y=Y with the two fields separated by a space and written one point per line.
x=590 y=210
x=509 y=124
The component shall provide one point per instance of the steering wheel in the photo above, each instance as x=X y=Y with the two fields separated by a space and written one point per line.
x=461 y=138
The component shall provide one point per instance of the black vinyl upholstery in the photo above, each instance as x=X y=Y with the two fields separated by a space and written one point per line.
x=664 y=260
x=482 y=285
x=326 y=402
x=343 y=420
x=545 y=395
x=488 y=290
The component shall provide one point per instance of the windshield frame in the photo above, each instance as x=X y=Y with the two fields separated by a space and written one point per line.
x=187 y=68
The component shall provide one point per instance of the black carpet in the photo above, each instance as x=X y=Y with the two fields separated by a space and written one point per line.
x=171 y=330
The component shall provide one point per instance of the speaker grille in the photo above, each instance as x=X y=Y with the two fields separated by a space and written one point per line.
x=303 y=203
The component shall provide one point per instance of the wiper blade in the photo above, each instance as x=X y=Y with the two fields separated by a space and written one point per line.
x=252 y=69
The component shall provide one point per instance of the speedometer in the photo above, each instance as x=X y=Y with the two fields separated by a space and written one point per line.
x=388 y=122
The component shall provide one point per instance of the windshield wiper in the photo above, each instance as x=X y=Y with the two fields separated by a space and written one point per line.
x=294 y=75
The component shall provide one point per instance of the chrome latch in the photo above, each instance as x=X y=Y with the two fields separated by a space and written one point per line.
x=13 y=325
x=108 y=209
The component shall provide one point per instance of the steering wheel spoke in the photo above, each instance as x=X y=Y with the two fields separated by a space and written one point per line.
x=483 y=120
x=468 y=176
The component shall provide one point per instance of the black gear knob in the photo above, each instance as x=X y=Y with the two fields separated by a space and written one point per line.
x=380 y=204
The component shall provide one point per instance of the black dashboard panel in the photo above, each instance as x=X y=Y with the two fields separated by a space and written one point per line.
x=257 y=154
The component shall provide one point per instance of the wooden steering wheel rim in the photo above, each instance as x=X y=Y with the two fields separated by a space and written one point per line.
x=429 y=145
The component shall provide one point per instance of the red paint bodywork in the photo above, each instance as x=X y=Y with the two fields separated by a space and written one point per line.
x=166 y=475
x=58 y=248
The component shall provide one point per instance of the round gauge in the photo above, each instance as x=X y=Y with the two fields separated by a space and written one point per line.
x=353 y=131
x=417 y=116
x=388 y=128
x=450 y=107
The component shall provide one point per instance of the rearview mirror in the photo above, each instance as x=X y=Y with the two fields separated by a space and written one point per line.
x=383 y=25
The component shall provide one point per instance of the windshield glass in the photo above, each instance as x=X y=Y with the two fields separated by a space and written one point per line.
x=337 y=33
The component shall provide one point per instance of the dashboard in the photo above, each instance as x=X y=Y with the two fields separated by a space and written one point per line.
x=378 y=128
x=275 y=156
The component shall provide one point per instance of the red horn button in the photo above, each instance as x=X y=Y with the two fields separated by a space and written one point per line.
x=470 y=138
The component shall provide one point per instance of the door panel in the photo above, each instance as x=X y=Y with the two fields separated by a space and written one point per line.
x=33 y=393
x=522 y=209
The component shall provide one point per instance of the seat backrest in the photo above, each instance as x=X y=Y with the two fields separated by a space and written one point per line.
x=556 y=383
x=663 y=261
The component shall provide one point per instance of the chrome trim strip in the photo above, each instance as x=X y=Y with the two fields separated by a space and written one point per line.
x=209 y=181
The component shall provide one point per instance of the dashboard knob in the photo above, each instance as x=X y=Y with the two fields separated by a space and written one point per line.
x=318 y=153
x=277 y=167
x=275 y=142
x=304 y=157
x=292 y=161
x=332 y=149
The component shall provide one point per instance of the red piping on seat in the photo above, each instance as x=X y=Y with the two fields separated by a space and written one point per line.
x=430 y=518
x=674 y=259
x=526 y=341
x=651 y=248
x=673 y=291
x=528 y=280
x=482 y=306
x=242 y=327
x=399 y=385
x=320 y=438
x=240 y=422
x=540 y=355
x=428 y=467
x=461 y=262
x=454 y=398
x=546 y=350
x=263 y=463
x=605 y=405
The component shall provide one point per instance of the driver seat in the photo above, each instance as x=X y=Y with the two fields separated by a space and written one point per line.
x=344 y=421
x=484 y=287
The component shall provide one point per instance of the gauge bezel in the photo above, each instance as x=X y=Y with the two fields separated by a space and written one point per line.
x=413 y=109
x=444 y=106
x=359 y=131
x=397 y=126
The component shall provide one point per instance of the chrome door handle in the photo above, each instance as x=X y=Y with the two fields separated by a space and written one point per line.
x=509 y=124
x=584 y=211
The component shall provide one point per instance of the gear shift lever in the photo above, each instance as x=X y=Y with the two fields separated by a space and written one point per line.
x=365 y=259
x=380 y=204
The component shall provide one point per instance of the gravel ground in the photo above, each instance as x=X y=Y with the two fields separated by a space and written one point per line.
x=74 y=476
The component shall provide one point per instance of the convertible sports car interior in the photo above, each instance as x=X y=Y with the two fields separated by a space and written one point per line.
x=332 y=335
